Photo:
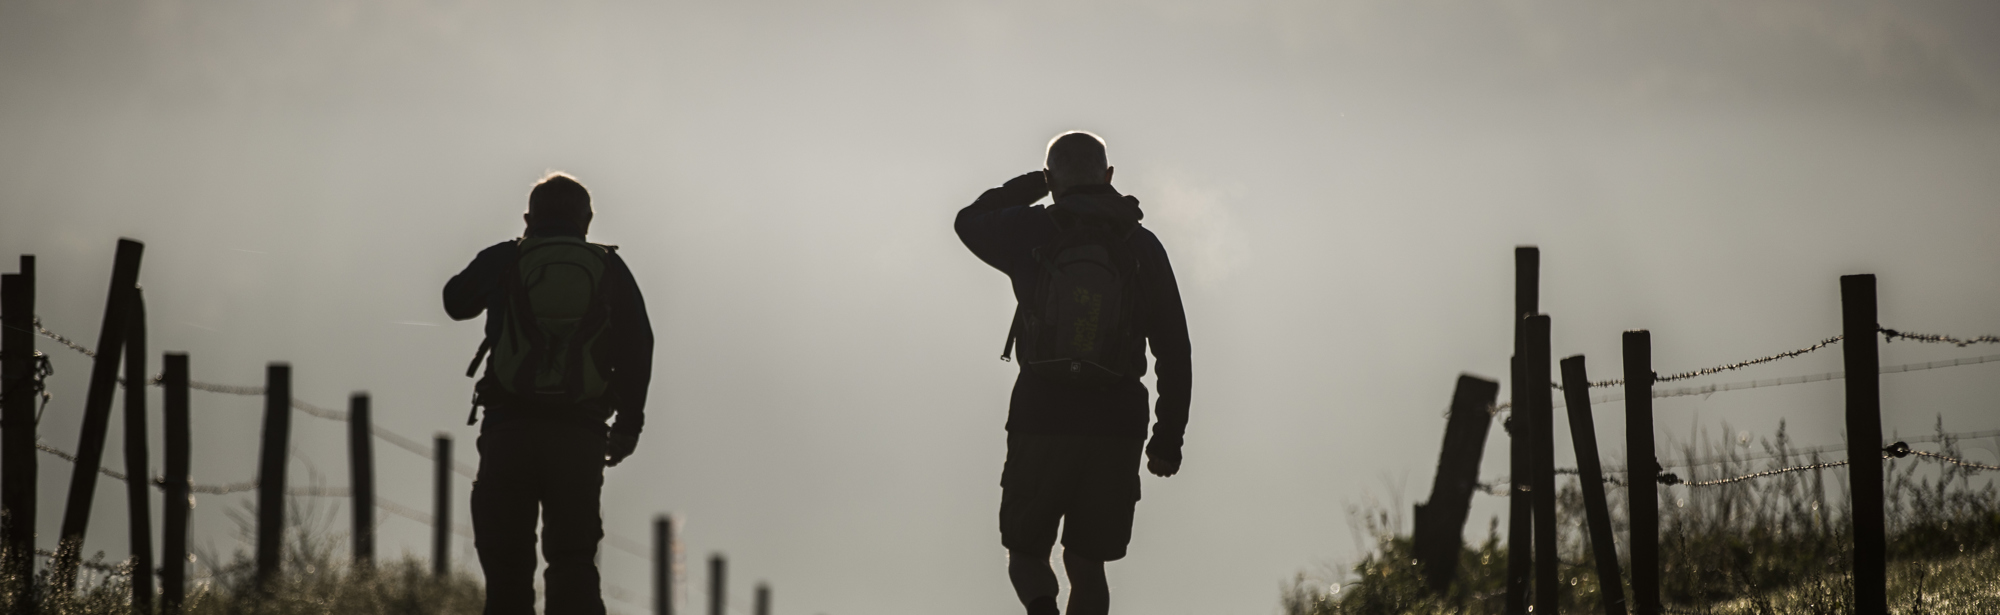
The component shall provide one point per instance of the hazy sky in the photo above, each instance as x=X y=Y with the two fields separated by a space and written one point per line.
x=1340 y=185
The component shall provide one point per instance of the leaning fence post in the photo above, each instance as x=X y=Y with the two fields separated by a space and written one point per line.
x=1540 y=406
x=96 y=415
x=1642 y=468
x=1440 y=521
x=18 y=465
x=718 y=586
x=763 y=599
x=663 y=565
x=1520 y=511
x=271 y=470
x=138 y=481
x=1864 y=440
x=441 y=531
x=361 y=476
x=174 y=504
x=1590 y=475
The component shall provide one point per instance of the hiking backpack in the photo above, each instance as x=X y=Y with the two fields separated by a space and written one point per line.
x=554 y=335
x=1080 y=324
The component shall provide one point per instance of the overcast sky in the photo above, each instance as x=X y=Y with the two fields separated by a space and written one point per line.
x=1340 y=185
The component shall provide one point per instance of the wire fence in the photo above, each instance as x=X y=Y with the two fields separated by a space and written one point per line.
x=616 y=542
x=1500 y=486
x=1888 y=335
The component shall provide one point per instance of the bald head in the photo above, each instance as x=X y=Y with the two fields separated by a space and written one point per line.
x=559 y=205
x=1076 y=158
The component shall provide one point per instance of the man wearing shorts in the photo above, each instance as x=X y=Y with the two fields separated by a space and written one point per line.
x=1073 y=451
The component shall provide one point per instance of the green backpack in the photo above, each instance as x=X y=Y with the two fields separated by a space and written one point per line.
x=553 y=339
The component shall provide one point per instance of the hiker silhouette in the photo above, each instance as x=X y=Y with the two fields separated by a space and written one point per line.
x=1093 y=290
x=567 y=347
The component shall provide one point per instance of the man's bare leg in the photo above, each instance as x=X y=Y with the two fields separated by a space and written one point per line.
x=1033 y=579
x=1089 y=592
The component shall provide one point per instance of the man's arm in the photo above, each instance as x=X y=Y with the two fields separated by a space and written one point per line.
x=632 y=336
x=465 y=296
x=999 y=216
x=1167 y=335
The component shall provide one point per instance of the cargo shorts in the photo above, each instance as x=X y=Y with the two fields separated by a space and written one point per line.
x=1090 y=484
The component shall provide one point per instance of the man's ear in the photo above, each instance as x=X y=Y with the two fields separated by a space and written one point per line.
x=1107 y=174
x=528 y=219
x=585 y=226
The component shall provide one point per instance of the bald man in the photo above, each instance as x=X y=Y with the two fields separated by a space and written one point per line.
x=1093 y=290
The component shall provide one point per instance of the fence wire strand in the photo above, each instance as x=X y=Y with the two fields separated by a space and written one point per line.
x=1747 y=363
x=1890 y=335
x=1898 y=450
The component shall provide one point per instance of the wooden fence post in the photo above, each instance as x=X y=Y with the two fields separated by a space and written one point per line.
x=1540 y=406
x=96 y=416
x=138 y=477
x=1864 y=441
x=174 y=503
x=763 y=599
x=361 y=478
x=18 y=465
x=1642 y=468
x=271 y=470
x=1590 y=475
x=1520 y=509
x=1440 y=522
x=718 y=586
x=663 y=565
x=441 y=531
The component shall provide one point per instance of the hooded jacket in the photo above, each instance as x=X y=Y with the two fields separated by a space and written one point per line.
x=1002 y=228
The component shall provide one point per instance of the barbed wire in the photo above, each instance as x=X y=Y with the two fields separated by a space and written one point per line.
x=45 y=332
x=1671 y=479
x=1747 y=363
x=1955 y=460
x=301 y=405
x=1898 y=450
x=1890 y=335
x=1770 y=382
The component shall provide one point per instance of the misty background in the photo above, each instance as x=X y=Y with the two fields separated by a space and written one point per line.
x=1340 y=185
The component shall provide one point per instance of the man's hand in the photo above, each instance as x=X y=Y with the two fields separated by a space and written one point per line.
x=619 y=447
x=1027 y=187
x=1161 y=466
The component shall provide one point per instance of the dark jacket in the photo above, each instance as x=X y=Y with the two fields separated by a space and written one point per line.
x=477 y=289
x=1003 y=228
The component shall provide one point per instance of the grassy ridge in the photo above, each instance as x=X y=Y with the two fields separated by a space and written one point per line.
x=317 y=580
x=1771 y=545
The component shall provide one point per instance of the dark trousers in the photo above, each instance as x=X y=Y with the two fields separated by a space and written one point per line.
x=528 y=467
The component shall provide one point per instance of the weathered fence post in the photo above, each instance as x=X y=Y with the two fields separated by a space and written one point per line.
x=763 y=598
x=1540 y=406
x=138 y=477
x=1642 y=468
x=96 y=415
x=441 y=531
x=1590 y=474
x=718 y=586
x=174 y=503
x=18 y=465
x=1520 y=511
x=271 y=470
x=1864 y=440
x=1440 y=522
x=361 y=477
x=663 y=565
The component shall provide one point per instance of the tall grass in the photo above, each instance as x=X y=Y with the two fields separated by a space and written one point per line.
x=317 y=579
x=1778 y=544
